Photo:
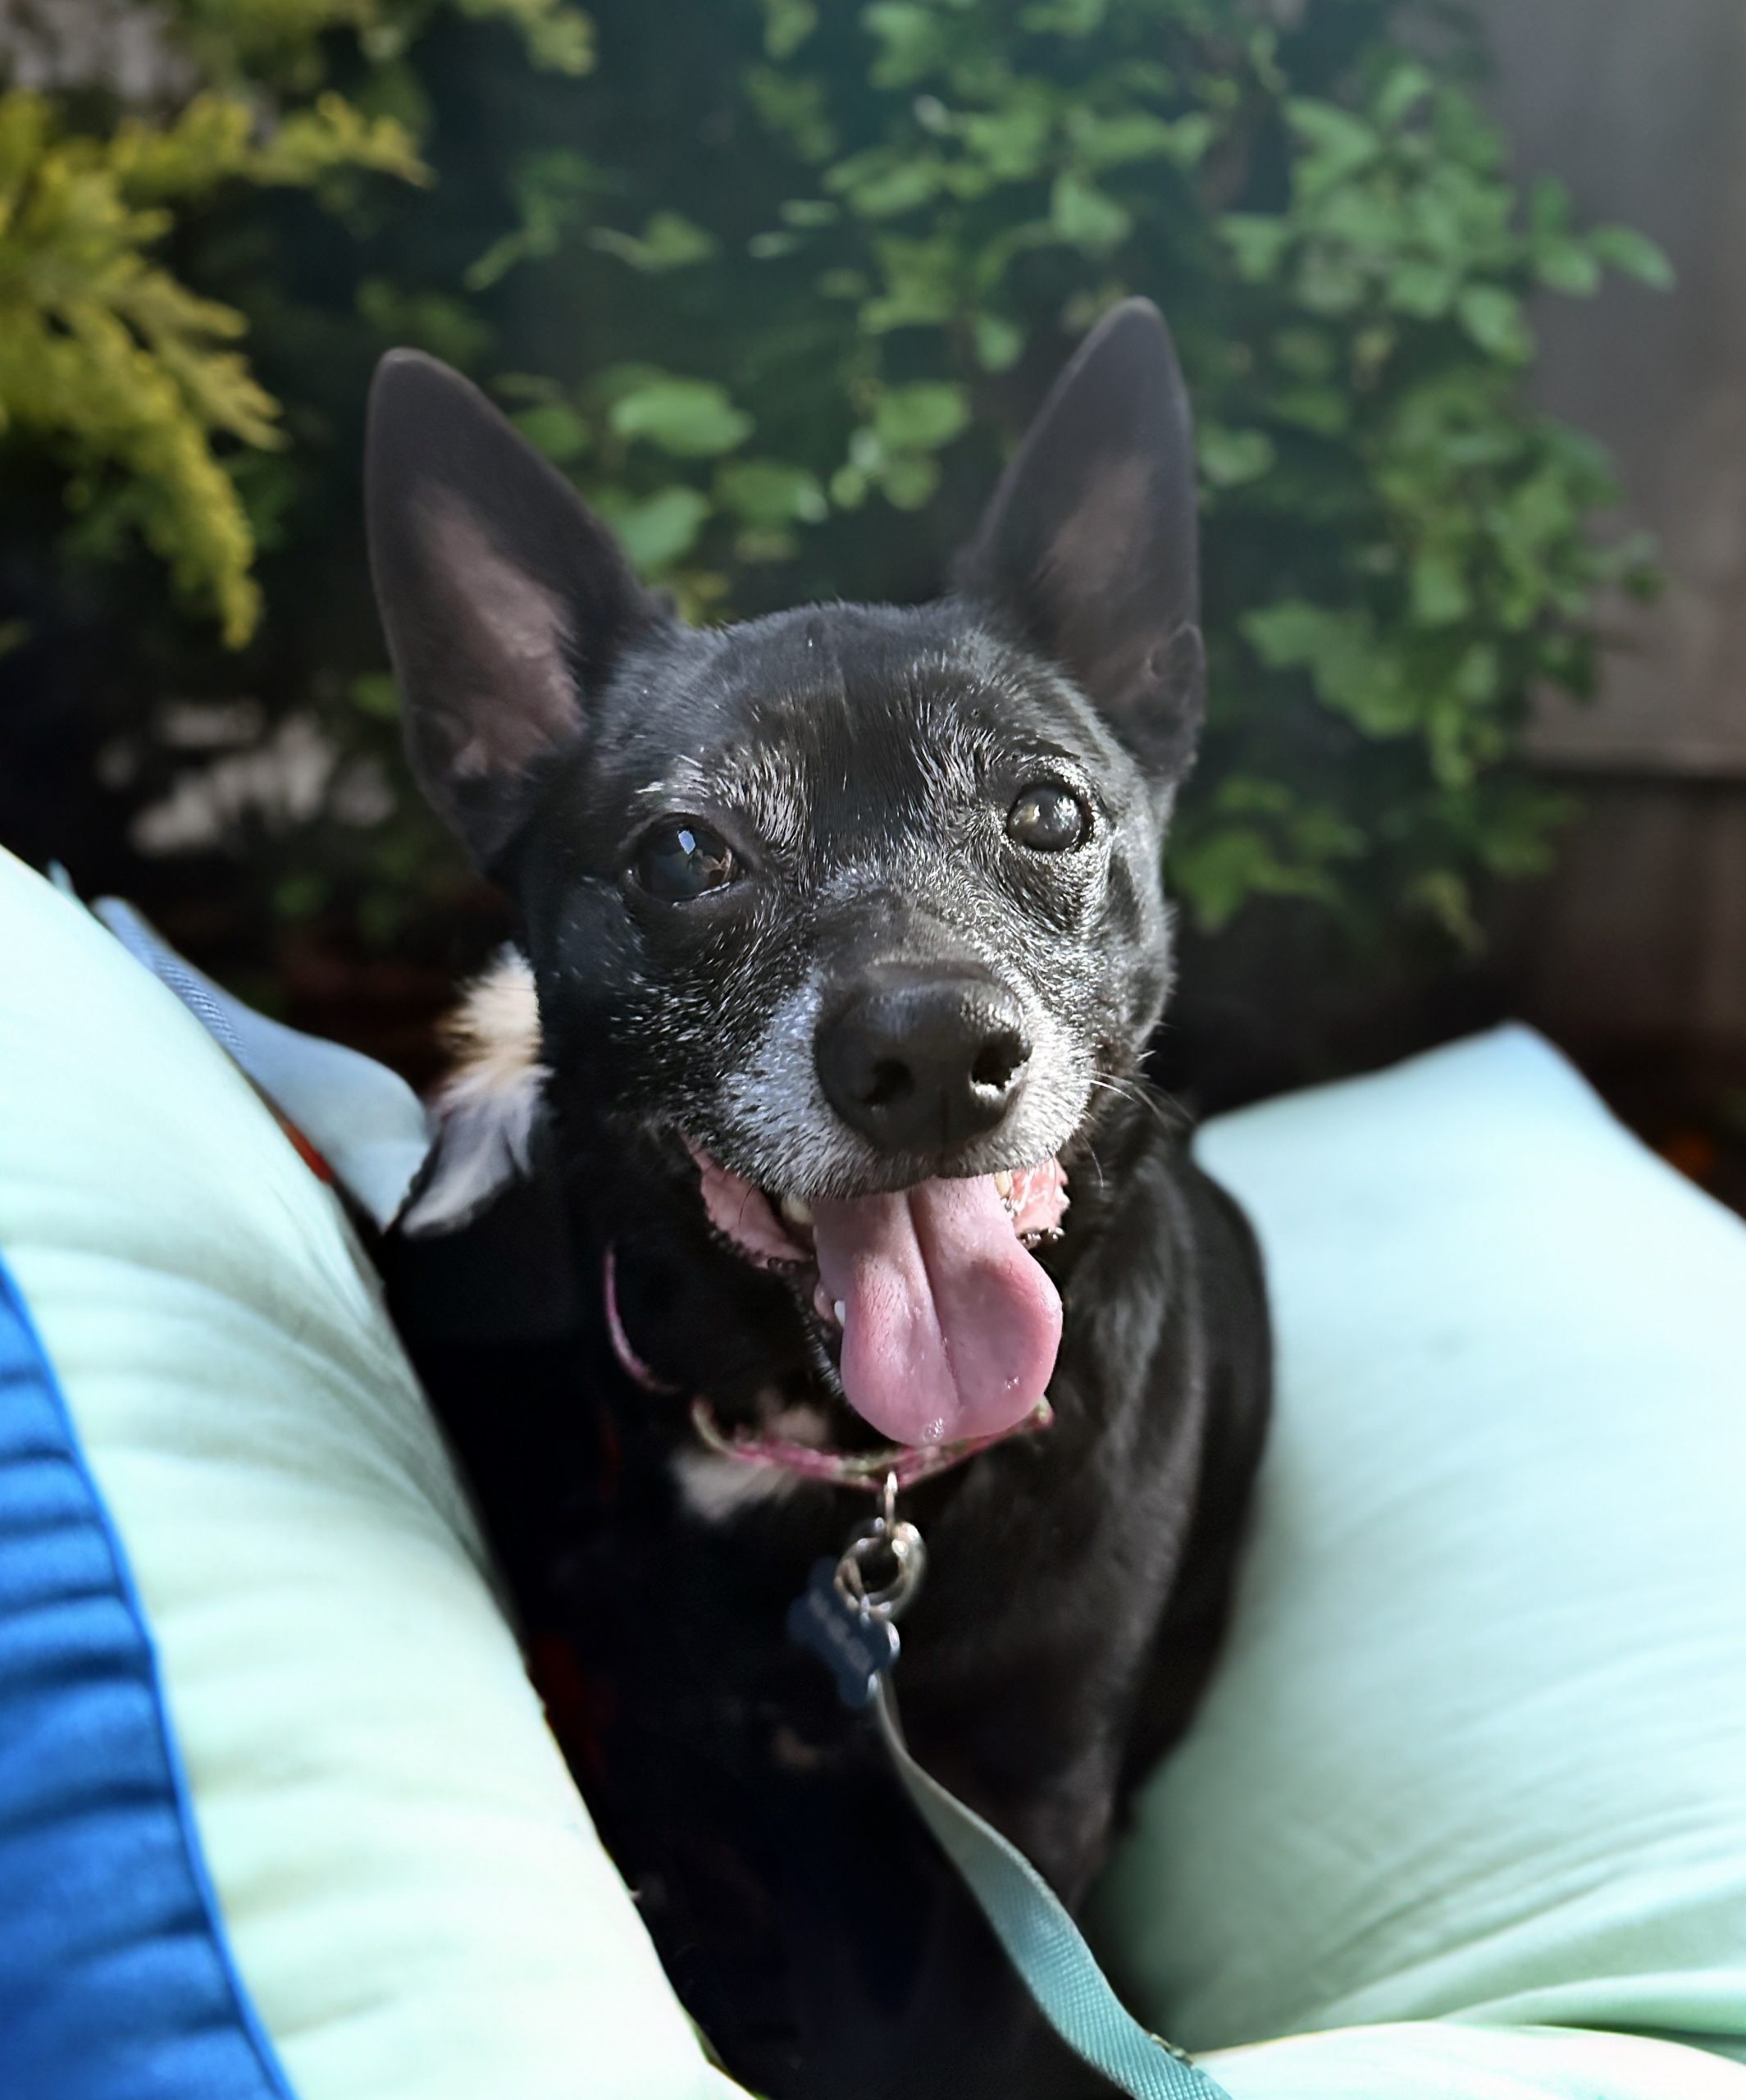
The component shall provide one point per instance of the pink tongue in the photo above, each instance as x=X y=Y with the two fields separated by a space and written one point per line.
x=949 y=1328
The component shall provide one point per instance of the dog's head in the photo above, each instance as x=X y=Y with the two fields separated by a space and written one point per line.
x=858 y=908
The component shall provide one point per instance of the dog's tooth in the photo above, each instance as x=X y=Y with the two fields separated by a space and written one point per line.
x=1003 y=1186
x=841 y=1312
x=796 y=1210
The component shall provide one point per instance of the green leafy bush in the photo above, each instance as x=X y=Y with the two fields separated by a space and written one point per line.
x=105 y=356
x=776 y=284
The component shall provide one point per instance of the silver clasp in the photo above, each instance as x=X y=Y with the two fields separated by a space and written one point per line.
x=888 y=1542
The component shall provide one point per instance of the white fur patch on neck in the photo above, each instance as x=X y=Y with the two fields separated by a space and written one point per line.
x=486 y=1109
x=718 y=1489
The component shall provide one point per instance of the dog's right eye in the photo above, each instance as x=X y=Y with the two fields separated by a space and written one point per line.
x=680 y=861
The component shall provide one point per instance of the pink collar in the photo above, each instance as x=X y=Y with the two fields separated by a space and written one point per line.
x=866 y=1470
x=629 y=1362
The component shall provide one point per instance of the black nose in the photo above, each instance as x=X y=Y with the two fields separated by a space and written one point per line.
x=919 y=1060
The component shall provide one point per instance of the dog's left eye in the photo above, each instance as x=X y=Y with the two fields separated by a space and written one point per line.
x=1048 y=818
x=683 y=860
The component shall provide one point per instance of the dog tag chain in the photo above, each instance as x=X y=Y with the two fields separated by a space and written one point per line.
x=849 y=1624
x=851 y=1628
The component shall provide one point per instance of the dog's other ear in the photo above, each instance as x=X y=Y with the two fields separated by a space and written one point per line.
x=1088 y=550
x=505 y=599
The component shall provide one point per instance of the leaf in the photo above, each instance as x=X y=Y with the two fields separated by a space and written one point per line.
x=655 y=531
x=770 y=492
x=921 y=417
x=1257 y=244
x=215 y=139
x=1406 y=87
x=1568 y=267
x=1191 y=136
x=912 y=41
x=1084 y=217
x=1010 y=143
x=1288 y=633
x=555 y=429
x=1329 y=282
x=787 y=24
x=376 y=696
x=1114 y=141
x=1548 y=209
x=1439 y=590
x=1422 y=289
x=667 y=242
x=922 y=284
x=437 y=321
x=559 y=38
x=1335 y=144
x=1000 y=343
x=884 y=185
x=1075 y=18
x=763 y=543
x=1494 y=319
x=690 y=418
x=1217 y=875
x=793 y=108
x=1230 y=458
x=551 y=191
x=909 y=480
x=809 y=211
x=1361 y=218
x=1325 y=410
x=1308 y=352
x=1258 y=838
x=1633 y=254
x=1442 y=895
x=1354 y=672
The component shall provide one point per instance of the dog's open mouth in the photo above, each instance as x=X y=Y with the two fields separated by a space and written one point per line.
x=949 y=1326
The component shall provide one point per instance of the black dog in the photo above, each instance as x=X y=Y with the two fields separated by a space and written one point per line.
x=846 y=936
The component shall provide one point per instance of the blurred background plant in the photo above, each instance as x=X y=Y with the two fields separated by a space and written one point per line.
x=776 y=283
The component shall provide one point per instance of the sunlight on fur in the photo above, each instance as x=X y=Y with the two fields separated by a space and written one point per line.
x=486 y=1108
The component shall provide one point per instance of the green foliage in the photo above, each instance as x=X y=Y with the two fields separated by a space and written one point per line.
x=1399 y=551
x=289 y=42
x=106 y=357
x=776 y=283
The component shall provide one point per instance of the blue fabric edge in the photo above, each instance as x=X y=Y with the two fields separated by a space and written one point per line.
x=248 y=2019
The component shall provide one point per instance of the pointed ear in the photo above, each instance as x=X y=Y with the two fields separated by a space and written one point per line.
x=1089 y=548
x=505 y=599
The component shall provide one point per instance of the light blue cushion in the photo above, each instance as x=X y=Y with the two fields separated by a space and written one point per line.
x=115 y=1979
x=1441 y=2060
x=1477 y=1747
x=418 y=1906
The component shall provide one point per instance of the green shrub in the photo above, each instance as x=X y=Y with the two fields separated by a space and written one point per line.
x=776 y=283
x=110 y=361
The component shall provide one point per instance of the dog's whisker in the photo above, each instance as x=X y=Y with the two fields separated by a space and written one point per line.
x=1143 y=1094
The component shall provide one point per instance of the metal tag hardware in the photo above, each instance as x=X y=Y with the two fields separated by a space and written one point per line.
x=846 y=1614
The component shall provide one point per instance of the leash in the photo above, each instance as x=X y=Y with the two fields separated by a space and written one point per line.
x=852 y=1628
